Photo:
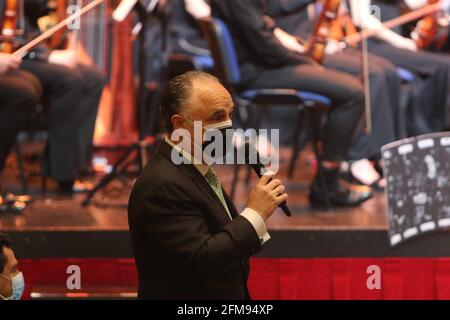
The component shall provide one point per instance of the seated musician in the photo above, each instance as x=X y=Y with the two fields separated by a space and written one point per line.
x=19 y=93
x=383 y=78
x=384 y=83
x=74 y=91
x=432 y=70
x=268 y=63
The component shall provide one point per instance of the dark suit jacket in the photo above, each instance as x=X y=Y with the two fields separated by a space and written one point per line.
x=185 y=244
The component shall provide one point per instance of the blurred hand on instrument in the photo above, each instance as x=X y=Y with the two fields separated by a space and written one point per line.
x=266 y=196
x=288 y=41
x=64 y=57
x=8 y=62
x=334 y=46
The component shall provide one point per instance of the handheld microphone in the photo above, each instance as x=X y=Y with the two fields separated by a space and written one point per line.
x=253 y=160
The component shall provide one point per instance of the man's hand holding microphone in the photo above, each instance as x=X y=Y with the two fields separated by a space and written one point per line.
x=267 y=195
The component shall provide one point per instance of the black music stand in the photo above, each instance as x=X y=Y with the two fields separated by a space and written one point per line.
x=142 y=145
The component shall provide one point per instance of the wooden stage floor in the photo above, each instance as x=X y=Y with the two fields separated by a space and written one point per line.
x=50 y=212
x=59 y=227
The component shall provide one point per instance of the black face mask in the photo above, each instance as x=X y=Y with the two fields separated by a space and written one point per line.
x=222 y=131
x=218 y=152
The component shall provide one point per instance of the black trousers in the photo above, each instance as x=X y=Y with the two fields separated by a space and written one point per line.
x=344 y=90
x=20 y=91
x=430 y=89
x=74 y=95
x=385 y=86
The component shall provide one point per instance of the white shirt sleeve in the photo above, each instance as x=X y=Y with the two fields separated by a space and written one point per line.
x=288 y=41
x=364 y=19
x=198 y=8
x=416 y=4
x=257 y=222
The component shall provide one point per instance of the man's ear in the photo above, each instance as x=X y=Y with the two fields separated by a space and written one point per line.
x=177 y=121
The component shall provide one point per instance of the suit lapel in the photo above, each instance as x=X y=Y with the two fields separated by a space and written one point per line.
x=190 y=170
x=234 y=213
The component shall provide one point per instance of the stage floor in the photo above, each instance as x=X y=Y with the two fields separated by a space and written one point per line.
x=59 y=227
x=108 y=210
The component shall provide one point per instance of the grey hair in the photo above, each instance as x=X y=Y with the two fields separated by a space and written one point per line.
x=177 y=92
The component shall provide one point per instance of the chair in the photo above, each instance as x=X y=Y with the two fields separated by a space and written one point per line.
x=227 y=69
x=407 y=78
x=181 y=63
x=37 y=129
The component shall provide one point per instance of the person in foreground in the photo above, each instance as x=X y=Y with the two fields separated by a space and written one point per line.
x=189 y=240
x=12 y=283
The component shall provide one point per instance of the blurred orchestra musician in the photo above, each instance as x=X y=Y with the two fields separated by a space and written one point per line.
x=267 y=61
x=432 y=70
x=429 y=87
x=383 y=78
x=20 y=91
x=73 y=89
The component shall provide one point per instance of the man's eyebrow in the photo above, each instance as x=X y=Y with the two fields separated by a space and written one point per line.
x=218 y=112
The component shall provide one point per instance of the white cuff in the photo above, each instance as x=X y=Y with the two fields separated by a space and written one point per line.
x=257 y=222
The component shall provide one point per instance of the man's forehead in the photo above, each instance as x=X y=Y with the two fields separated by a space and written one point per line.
x=212 y=93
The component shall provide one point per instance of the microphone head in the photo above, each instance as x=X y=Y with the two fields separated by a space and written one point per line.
x=252 y=158
x=251 y=153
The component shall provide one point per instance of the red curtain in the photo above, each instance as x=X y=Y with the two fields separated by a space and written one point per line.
x=287 y=279
x=346 y=278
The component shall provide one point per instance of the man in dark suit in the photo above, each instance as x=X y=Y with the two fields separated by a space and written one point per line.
x=189 y=240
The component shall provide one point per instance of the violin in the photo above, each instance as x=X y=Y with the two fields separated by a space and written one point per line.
x=333 y=25
x=9 y=27
x=323 y=30
x=64 y=39
x=22 y=51
x=431 y=30
x=56 y=13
